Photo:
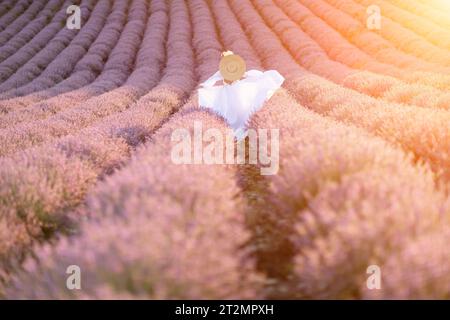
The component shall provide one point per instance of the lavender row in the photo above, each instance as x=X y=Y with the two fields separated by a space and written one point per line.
x=277 y=210
x=183 y=231
x=85 y=113
x=276 y=213
x=193 y=248
x=304 y=50
x=232 y=35
x=287 y=195
x=40 y=104
x=392 y=40
x=435 y=10
x=12 y=57
x=21 y=22
x=18 y=8
x=5 y=6
x=62 y=66
x=152 y=108
x=418 y=130
x=31 y=30
x=37 y=64
x=375 y=45
x=400 y=22
x=359 y=202
x=426 y=11
x=56 y=176
x=310 y=54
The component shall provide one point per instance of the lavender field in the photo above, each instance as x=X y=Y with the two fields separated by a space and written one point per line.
x=87 y=179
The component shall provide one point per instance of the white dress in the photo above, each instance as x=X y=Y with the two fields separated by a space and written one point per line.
x=237 y=101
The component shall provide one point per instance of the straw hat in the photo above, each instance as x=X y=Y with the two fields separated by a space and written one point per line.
x=232 y=67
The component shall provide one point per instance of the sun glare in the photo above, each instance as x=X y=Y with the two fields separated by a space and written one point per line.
x=443 y=4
